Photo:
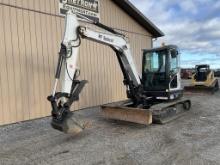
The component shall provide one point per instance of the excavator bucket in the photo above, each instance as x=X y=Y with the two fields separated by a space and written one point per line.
x=122 y=112
x=71 y=124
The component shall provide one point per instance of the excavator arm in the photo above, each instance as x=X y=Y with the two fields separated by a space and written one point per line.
x=122 y=49
x=67 y=71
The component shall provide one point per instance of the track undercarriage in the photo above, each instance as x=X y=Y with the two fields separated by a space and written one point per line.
x=158 y=113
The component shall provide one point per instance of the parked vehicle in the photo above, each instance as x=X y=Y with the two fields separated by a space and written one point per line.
x=186 y=73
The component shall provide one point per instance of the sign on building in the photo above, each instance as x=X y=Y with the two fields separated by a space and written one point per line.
x=88 y=8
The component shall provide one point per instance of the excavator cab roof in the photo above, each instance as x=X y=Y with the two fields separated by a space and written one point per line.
x=161 y=48
x=202 y=66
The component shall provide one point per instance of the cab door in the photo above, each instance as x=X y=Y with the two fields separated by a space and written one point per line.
x=175 y=77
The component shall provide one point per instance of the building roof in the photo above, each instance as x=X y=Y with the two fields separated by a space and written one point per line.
x=131 y=10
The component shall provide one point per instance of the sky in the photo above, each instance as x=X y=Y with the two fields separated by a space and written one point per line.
x=192 y=25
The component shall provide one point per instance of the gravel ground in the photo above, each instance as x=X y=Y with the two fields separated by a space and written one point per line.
x=192 y=139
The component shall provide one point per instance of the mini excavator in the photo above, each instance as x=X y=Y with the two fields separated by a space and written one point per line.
x=156 y=97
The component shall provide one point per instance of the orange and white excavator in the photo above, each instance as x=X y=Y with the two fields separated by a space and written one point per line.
x=156 y=97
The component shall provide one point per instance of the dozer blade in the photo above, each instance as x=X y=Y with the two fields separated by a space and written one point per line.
x=202 y=89
x=118 y=111
x=198 y=90
x=166 y=112
x=71 y=124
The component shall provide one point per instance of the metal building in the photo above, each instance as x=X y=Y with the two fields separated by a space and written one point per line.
x=30 y=36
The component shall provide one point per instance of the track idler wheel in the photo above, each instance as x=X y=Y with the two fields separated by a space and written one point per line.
x=187 y=105
x=216 y=86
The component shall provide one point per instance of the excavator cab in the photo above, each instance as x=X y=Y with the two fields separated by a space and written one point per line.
x=202 y=72
x=161 y=72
